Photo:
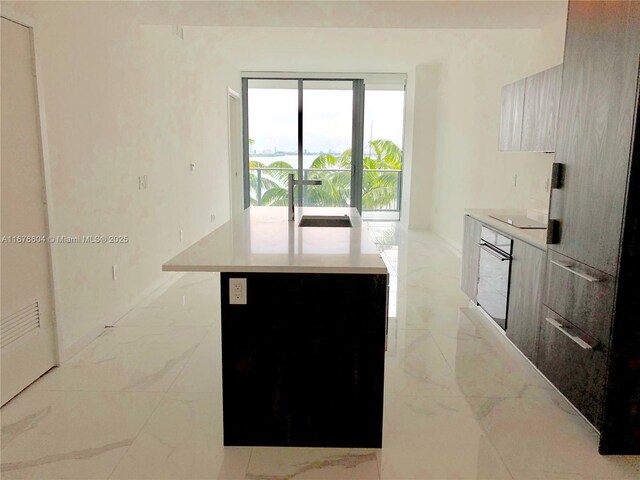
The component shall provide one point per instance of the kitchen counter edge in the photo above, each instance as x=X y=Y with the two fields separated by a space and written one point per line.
x=533 y=237
x=228 y=264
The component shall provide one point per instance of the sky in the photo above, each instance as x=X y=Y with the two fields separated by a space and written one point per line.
x=327 y=120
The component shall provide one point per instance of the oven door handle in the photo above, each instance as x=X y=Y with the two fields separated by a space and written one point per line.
x=495 y=252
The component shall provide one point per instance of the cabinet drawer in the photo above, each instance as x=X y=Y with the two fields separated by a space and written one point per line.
x=581 y=294
x=574 y=362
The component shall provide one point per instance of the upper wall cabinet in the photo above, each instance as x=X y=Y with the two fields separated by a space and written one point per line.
x=541 y=99
x=529 y=112
x=512 y=115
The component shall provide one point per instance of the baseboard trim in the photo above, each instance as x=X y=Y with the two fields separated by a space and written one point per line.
x=157 y=288
x=455 y=249
x=485 y=316
x=67 y=353
x=153 y=291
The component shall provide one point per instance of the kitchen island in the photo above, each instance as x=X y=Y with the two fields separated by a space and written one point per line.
x=304 y=315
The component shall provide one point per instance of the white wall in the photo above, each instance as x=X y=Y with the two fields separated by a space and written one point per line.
x=420 y=146
x=453 y=104
x=469 y=171
x=124 y=100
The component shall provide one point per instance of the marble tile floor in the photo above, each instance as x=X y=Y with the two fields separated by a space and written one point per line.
x=143 y=401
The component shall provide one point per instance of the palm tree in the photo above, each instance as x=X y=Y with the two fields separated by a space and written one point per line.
x=268 y=185
x=381 y=175
x=336 y=185
x=379 y=184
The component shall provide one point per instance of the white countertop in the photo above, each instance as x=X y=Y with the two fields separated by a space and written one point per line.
x=263 y=240
x=535 y=237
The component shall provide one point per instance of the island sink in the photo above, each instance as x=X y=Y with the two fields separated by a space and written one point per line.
x=325 y=221
x=303 y=347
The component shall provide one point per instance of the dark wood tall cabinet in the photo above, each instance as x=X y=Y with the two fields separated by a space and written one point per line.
x=621 y=424
x=593 y=282
x=597 y=112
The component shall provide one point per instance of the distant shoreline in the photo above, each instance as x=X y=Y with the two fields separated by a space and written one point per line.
x=290 y=154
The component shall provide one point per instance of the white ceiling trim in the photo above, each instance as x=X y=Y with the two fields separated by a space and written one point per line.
x=369 y=78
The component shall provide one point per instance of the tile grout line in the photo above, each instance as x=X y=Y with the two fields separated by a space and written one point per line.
x=246 y=469
x=451 y=369
x=482 y=428
x=186 y=362
x=165 y=395
x=480 y=424
x=496 y=451
x=146 y=422
x=59 y=389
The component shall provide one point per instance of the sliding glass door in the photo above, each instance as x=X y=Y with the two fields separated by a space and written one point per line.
x=271 y=145
x=382 y=155
x=327 y=133
x=316 y=129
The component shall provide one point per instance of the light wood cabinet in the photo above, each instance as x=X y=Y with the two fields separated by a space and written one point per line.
x=511 y=117
x=525 y=297
x=541 y=98
x=470 y=257
x=529 y=112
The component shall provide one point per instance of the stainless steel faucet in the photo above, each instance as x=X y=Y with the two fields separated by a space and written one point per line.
x=293 y=182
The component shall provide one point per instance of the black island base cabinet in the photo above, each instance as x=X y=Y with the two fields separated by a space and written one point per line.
x=303 y=360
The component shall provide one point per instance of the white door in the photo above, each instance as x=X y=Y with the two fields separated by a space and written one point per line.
x=27 y=337
x=235 y=154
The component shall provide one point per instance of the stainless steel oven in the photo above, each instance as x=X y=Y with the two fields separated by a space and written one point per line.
x=494 y=273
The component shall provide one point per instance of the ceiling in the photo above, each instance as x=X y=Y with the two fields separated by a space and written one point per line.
x=439 y=14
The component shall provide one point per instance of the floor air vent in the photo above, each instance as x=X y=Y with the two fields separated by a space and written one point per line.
x=19 y=324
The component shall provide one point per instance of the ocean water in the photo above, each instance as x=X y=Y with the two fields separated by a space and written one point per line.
x=292 y=160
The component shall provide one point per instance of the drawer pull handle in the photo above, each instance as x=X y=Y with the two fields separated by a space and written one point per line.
x=567 y=267
x=575 y=338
